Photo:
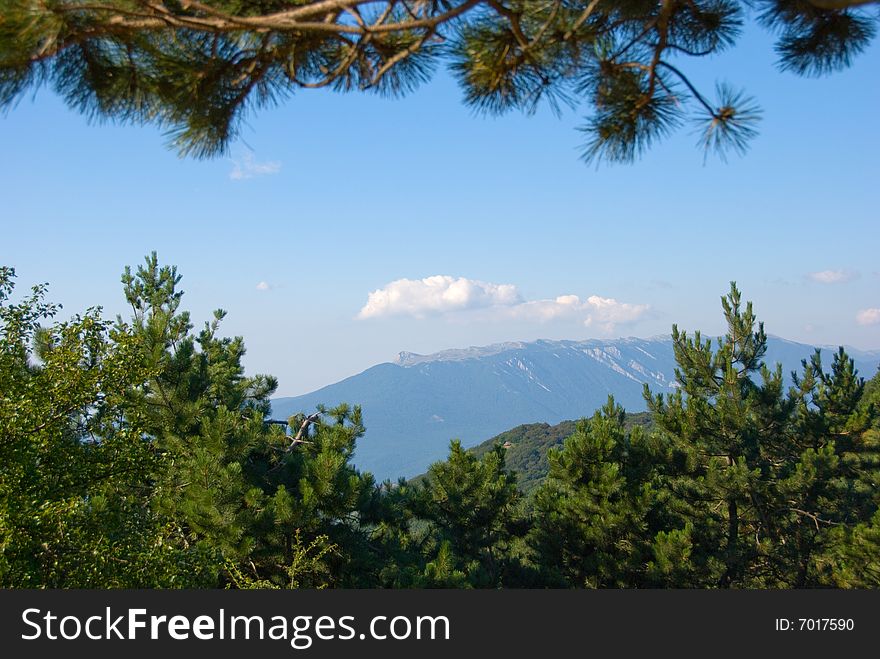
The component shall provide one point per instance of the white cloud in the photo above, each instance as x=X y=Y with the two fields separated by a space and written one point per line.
x=434 y=295
x=868 y=317
x=444 y=294
x=247 y=167
x=596 y=311
x=608 y=312
x=833 y=276
x=264 y=286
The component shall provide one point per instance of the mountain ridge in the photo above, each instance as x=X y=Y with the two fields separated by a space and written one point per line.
x=414 y=405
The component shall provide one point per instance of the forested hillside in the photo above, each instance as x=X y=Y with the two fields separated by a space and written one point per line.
x=135 y=453
x=527 y=447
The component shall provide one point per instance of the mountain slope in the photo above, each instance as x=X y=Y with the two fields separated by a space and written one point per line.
x=415 y=405
x=527 y=447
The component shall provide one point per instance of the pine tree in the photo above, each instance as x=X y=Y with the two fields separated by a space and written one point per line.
x=852 y=557
x=593 y=516
x=768 y=480
x=269 y=510
x=198 y=68
x=471 y=506
x=311 y=494
x=201 y=413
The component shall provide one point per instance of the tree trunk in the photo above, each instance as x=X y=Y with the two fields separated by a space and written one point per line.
x=732 y=557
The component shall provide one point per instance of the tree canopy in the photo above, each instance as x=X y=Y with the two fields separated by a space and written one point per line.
x=136 y=453
x=198 y=68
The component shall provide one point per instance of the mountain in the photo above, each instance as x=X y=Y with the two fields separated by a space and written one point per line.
x=526 y=447
x=416 y=404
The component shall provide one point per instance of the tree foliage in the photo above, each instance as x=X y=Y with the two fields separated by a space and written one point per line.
x=198 y=68
x=471 y=506
x=592 y=514
x=265 y=507
x=143 y=445
x=770 y=480
x=136 y=454
x=76 y=492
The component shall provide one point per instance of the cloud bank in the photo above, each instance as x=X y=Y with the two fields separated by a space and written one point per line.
x=833 y=276
x=595 y=311
x=868 y=316
x=442 y=294
x=436 y=295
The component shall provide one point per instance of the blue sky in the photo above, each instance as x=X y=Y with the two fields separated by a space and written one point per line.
x=330 y=198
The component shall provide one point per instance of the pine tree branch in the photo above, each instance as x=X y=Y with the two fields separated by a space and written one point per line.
x=135 y=56
x=694 y=91
x=585 y=15
x=840 y=4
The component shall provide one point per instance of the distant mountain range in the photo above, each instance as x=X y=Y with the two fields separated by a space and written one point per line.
x=416 y=404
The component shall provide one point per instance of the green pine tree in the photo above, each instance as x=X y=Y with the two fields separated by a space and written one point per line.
x=593 y=515
x=263 y=506
x=767 y=480
x=472 y=509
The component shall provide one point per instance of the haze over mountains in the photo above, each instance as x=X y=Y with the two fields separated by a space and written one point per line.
x=416 y=404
